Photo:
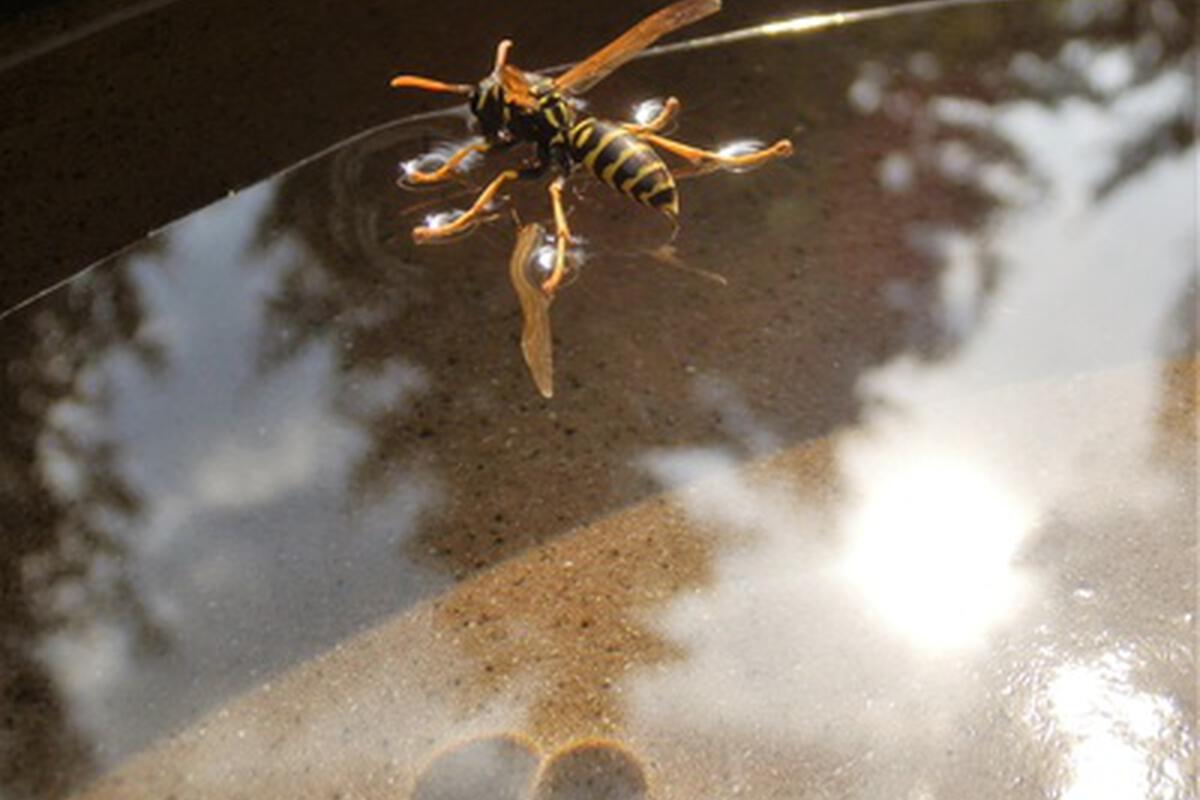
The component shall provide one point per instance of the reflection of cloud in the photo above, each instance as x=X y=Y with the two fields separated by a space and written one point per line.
x=735 y=416
x=359 y=720
x=987 y=500
x=283 y=438
x=88 y=664
x=242 y=471
x=867 y=92
x=897 y=173
x=782 y=641
x=253 y=543
x=1060 y=244
x=891 y=614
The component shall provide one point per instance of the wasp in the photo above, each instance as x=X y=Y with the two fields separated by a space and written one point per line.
x=513 y=106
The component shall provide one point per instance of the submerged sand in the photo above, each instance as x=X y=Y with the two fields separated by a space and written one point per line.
x=541 y=655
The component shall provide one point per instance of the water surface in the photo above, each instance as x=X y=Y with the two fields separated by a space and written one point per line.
x=905 y=508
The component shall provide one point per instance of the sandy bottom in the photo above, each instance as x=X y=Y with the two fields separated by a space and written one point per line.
x=516 y=684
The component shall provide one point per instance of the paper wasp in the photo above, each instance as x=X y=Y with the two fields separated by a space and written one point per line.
x=513 y=107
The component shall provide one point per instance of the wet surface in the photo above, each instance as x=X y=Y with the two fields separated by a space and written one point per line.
x=904 y=508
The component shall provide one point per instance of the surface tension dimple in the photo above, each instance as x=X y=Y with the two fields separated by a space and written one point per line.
x=647 y=110
x=434 y=160
x=738 y=148
x=439 y=220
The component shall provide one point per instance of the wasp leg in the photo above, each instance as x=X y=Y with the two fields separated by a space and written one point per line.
x=562 y=235
x=706 y=160
x=467 y=218
x=670 y=107
x=445 y=170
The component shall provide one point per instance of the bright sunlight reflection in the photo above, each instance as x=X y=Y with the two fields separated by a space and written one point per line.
x=931 y=541
x=1115 y=733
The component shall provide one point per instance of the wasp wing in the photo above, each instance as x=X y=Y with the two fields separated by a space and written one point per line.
x=591 y=70
x=536 y=342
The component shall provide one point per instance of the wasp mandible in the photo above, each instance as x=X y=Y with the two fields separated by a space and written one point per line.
x=513 y=106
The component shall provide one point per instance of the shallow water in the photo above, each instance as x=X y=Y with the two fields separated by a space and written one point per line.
x=905 y=508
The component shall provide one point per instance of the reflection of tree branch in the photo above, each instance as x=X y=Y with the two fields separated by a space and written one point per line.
x=345 y=205
x=1156 y=39
x=355 y=291
x=1169 y=137
x=65 y=505
x=481 y=428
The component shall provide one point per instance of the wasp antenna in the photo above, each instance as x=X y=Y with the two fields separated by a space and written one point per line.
x=502 y=55
x=429 y=85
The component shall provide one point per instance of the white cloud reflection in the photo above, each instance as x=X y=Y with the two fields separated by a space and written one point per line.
x=782 y=643
x=975 y=500
x=250 y=545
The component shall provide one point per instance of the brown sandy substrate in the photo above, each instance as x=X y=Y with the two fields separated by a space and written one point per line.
x=544 y=645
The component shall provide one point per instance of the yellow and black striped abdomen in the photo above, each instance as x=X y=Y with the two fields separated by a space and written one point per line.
x=624 y=162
